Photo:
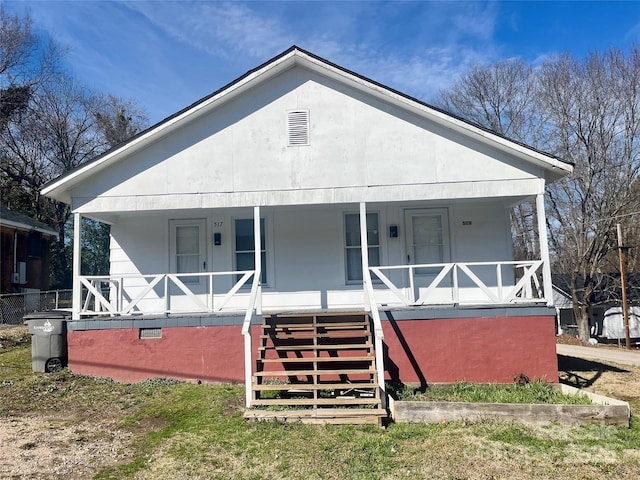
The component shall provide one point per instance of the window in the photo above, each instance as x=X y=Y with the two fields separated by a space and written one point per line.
x=353 y=244
x=427 y=237
x=34 y=244
x=188 y=247
x=245 y=246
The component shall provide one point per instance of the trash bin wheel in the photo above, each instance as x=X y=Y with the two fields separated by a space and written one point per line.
x=53 y=365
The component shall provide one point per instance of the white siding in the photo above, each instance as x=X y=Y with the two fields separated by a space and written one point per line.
x=306 y=249
x=356 y=142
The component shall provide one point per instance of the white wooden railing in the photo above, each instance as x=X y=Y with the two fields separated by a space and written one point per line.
x=461 y=284
x=378 y=333
x=255 y=306
x=199 y=294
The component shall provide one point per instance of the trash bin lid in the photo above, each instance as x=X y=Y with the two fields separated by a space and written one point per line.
x=53 y=314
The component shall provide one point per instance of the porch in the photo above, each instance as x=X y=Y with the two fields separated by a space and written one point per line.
x=243 y=297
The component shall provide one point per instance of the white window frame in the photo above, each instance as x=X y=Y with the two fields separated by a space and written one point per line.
x=345 y=247
x=267 y=276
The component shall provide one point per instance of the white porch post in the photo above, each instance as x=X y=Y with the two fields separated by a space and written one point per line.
x=370 y=303
x=77 y=286
x=544 y=247
x=257 y=242
x=364 y=247
x=248 y=354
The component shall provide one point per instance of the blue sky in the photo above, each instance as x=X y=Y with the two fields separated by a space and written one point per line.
x=168 y=54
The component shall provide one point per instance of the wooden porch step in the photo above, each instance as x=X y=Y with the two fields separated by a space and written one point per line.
x=312 y=326
x=364 y=358
x=347 y=334
x=311 y=386
x=339 y=334
x=340 y=346
x=322 y=315
x=316 y=401
x=321 y=416
x=307 y=372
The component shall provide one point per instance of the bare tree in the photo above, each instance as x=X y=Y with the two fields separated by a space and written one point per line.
x=49 y=125
x=593 y=106
x=118 y=120
x=26 y=62
x=587 y=113
x=502 y=98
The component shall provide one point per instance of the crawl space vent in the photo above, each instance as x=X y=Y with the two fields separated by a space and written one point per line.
x=298 y=127
x=146 y=333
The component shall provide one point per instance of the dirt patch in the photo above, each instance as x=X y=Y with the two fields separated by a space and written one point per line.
x=566 y=339
x=617 y=381
x=57 y=447
x=12 y=335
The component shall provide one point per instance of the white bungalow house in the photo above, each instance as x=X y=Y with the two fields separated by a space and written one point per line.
x=295 y=204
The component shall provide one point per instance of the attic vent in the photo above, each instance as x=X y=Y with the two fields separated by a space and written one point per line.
x=298 y=127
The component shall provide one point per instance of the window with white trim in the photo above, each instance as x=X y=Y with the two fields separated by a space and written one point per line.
x=353 y=245
x=244 y=246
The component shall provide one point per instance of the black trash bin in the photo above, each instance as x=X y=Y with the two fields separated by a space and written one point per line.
x=48 y=340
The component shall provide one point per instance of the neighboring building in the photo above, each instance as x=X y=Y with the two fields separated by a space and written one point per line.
x=565 y=319
x=24 y=252
x=605 y=301
x=303 y=192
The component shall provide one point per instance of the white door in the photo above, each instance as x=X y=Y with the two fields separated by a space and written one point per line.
x=427 y=237
x=188 y=248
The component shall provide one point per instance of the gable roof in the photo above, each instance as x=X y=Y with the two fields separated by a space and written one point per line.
x=17 y=220
x=60 y=187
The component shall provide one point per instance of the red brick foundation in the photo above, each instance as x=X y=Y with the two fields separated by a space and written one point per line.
x=441 y=350
x=472 y=349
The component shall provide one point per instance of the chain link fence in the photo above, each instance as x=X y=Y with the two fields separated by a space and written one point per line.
x=14 y=306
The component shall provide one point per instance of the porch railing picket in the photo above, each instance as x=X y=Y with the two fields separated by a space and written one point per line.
x=238 y=285
x=474 y=278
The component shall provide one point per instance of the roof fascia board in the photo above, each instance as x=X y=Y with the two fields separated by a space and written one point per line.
x=23 y=226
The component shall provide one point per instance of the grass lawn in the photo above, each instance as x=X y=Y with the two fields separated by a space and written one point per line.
x=534 y=392
x=68 y=426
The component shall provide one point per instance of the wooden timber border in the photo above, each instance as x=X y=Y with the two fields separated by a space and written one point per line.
x=603 y=411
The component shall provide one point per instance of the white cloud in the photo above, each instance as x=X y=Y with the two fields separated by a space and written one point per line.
x=163 y=53
x=218 y=28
